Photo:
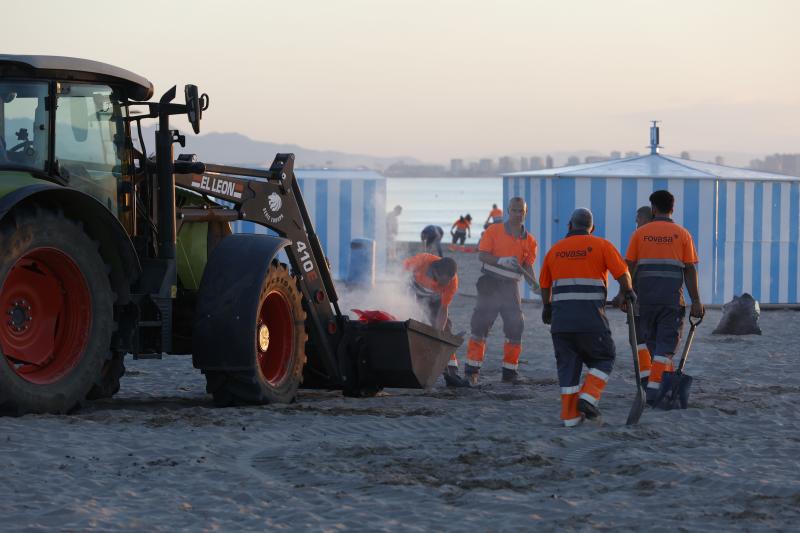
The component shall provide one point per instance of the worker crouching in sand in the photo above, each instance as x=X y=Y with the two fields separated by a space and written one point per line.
x=507 y=252
x=573 y=282
x=434 y=282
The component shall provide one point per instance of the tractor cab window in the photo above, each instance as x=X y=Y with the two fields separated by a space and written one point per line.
x=89 y=134
x=23 y=124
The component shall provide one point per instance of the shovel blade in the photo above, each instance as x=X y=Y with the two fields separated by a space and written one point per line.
x=674 y=391
x=637 y=408
x=684 y=387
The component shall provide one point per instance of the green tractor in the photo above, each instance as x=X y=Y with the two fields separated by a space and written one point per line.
x=105 y=252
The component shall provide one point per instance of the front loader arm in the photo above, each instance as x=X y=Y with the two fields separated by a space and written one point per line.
x=273 y=199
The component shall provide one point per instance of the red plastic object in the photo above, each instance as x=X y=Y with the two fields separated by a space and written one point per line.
x=373 y=315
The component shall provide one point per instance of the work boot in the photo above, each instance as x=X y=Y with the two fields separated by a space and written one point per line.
x=513 y=377
x=650 y=395
x=452 y=379
x=471 y=374
x=591 y=412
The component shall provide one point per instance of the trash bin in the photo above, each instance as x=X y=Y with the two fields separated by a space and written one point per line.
x=361 y=271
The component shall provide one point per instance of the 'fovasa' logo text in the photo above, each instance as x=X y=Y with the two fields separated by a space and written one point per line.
x=571 y=254
x=659 y=239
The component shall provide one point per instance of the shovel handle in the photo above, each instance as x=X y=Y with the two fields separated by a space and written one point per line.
x=689 y=338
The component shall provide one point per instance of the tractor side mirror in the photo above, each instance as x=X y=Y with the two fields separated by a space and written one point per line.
x=79 y=118
x=195 y=105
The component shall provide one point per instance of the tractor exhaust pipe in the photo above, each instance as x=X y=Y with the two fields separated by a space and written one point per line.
x=166 y=180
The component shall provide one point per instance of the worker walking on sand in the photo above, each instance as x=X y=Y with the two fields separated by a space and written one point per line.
x=460 y=230
x=573 y=282
x=643 y=215
x=507 y=252
x=392 y=229
x=431 y=237
x=495 y=216
x=662 y=256
x=434 y=282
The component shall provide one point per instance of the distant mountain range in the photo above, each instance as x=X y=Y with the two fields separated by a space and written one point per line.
x=237 y=149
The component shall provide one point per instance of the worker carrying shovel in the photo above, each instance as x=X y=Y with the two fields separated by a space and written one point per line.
x=434 y=283
x=507 y=252
x=663 y=257
x=573 y=282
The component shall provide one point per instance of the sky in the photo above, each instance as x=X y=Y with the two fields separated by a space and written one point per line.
x=436 y=79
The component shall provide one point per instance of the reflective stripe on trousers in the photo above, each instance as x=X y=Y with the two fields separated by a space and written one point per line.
x=661 y=364
x=593 y=386
x=476 y=349
x=570 y=415
x=511 y=353
x=644 y=360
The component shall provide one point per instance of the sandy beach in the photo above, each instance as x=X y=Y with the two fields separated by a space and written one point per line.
x=160 y=457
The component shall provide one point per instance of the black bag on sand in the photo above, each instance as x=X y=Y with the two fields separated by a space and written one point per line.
x=739 y=317
x=675 y=386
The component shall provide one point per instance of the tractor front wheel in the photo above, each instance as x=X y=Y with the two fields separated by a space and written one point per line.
x=276 y=349
x=57 y=314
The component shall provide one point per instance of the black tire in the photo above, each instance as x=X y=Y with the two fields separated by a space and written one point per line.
x=60 y=382
x=259 y=385
x=107 y=385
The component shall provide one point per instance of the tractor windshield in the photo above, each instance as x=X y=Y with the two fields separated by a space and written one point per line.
x=23 y=124
x=90 y=137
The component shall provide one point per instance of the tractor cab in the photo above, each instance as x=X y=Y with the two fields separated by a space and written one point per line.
x=64 y=120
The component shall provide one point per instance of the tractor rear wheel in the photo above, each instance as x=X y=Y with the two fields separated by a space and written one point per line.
x=57 y=308
x=276 y=349
x=107 y=385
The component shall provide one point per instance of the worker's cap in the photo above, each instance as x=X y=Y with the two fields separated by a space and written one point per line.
x=581 y=219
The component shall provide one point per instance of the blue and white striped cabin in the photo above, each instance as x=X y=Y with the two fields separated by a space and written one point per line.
x=744 y=223
x=343 y=205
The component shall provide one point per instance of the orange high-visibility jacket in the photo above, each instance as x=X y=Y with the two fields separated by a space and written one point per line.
x=499 y=242
x=576 y=270
x=661 y=250
x=420 y=266
x=461 y=225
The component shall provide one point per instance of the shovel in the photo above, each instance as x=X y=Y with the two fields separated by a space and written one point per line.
x=639 y=402
x=675 y=386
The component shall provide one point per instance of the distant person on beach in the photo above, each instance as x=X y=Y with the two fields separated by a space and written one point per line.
x=495 y=216
x=434 y=283
x=460 y=230
x=507 y=252
x=662 y=256
x=573 y=281
x=431 y=237
x=643 y=215
x=392 y=229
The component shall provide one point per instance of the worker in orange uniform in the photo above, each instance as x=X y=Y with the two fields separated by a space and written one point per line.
x=506 y=251
x=662 y=256
x=434 y=282
x=495 y=216
x=643 y=215
x=573 y=281
x=460 y=230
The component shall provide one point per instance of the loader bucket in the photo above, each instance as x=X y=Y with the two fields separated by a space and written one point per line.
x=406 y=354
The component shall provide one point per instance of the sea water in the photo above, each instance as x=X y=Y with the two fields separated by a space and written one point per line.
x=440 y=201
